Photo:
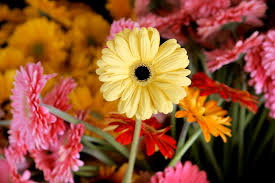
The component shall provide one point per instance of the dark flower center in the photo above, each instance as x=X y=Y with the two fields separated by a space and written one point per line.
x=142 y=73
x=91 y=41
x=38 y=49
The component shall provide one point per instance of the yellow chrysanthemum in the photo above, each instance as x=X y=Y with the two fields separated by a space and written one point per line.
x=89 y=31
x=5 y=31
x=41 y=40
x=210 y=117
x=52 y=9
x=145 y=77
x=15 y=15
x=92 y=102
x=6 y=80
x=11 y=58
x=120 y=8
x=112 y=174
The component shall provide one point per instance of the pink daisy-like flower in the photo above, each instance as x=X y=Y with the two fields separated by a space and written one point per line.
x=58 y=162
x=142 y=7
x=168 y=26
x=253 y=66
x=68 y=155
x=260 y=65
x=186 y=173
x=31 y=122
x=268 y=54
x=9 y=169
x=220 y=57
x=252 y=11
x=59 y=98
x=270 y=97
x=202 y=9
x=120 y=25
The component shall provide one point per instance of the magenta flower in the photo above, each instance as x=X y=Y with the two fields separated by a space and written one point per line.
x=220 y=57
x=120 y=25
x=59 y=98
x=186 y=173
x=10 y=167
x=31 y=122
x=252 y=11
x=260 y=65
x=203 y=9
x=142 y=7
x=268 y=54
x=63 y=158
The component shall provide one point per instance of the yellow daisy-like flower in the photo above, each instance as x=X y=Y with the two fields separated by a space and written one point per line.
x=11 y=58
x=15 y=15
x=52 y=9
x=120 y=8
x=41 y=40
x=5 y=31
x=6 y=80
x=210 y=117
x=89 y=31
x=112 y=174
x=145 y=77
x=92 y=102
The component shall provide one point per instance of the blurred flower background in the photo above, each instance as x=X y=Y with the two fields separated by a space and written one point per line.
x=49 y=52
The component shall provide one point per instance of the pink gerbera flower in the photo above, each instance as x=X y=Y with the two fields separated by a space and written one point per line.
x=9 y=169
x=59 y=98
x=220 y=57
x=186 y=173
x=252 y=11
x=202 y=9
x=120 y=25
x=268 y=54
x=31 y=122
x=58 y=162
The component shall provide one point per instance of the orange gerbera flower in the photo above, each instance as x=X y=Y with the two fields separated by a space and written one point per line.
x=210 y=117
x=208 y=87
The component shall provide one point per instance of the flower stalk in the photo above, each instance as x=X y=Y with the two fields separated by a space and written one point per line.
x=128 y=176
x=184 y=148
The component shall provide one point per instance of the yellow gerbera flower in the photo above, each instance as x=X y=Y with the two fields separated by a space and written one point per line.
x=52 y=9
x=14 y=15
x=89 y=31
x=112 y=174
x=92 y=102
x=5 y=31
x=11 y=58
x=210 y=117
x=146 y=77
x=120 y=8
x=40 y=40
x=6 y=80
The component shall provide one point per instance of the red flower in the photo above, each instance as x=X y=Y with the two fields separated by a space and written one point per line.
x=154 y=139
x=208 y=87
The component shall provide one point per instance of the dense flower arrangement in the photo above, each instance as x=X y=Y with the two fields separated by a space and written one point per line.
x=132 y=91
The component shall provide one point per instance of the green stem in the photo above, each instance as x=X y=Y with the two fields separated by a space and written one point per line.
x=210 y=153
x=91 y=150
x=123 y=150
x=183 y=134
x=5 y=122
x=88 y=168
x=241 y=139
x=173 y=121
x=258 y=127
x=184 y=148
x=95 y=140
x=129 y=173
